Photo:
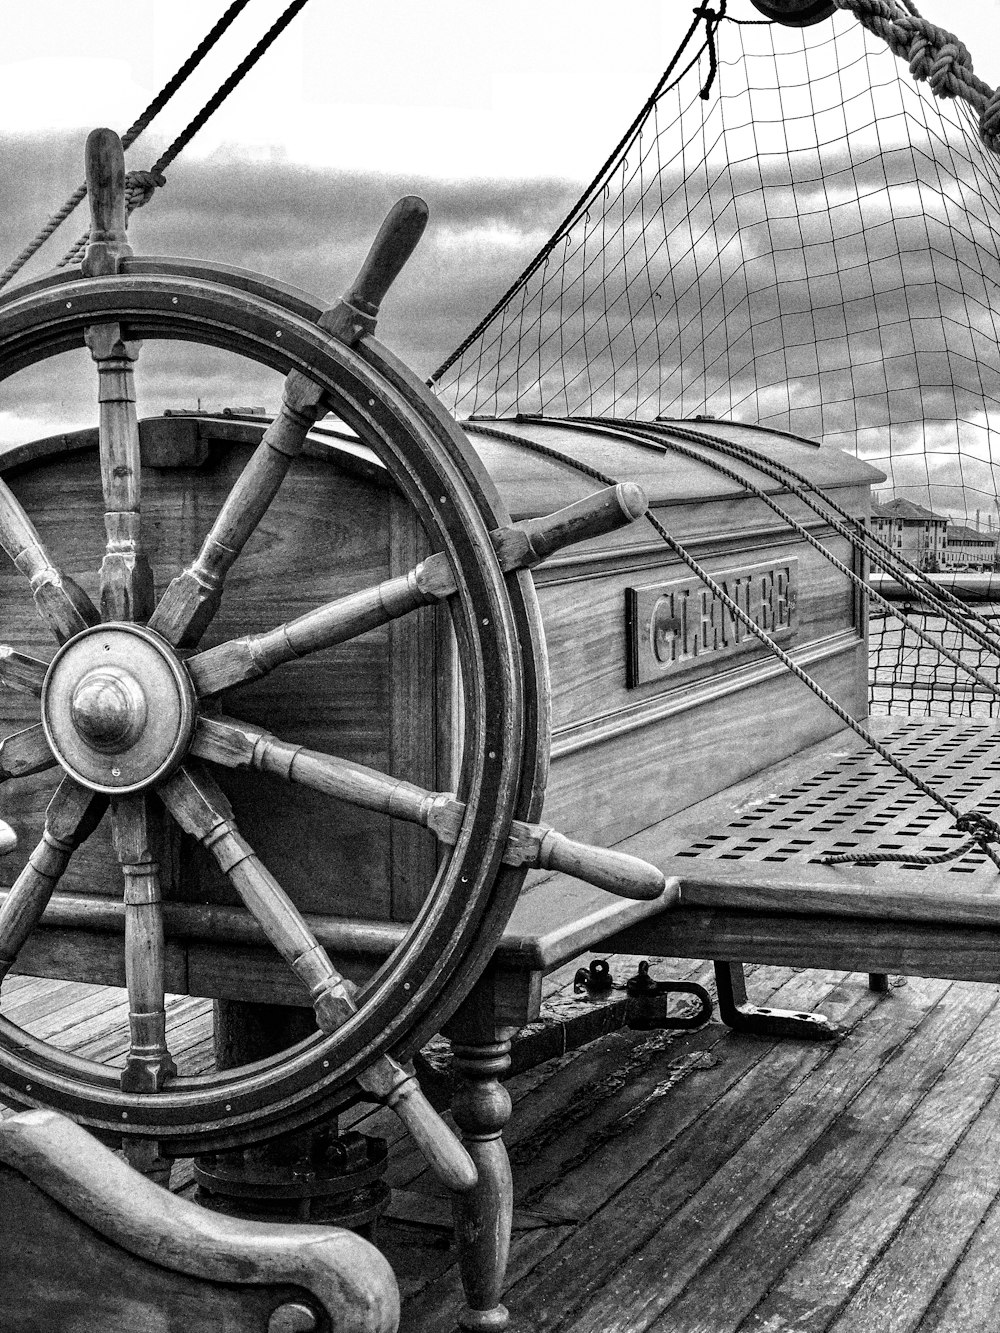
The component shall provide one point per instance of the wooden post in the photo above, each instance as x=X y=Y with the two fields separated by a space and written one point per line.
x=481 y=1107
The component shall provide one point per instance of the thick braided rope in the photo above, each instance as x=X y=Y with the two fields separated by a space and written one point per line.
x=762 y=636
x=933 y=54
x=129 y=137
x=663 y=444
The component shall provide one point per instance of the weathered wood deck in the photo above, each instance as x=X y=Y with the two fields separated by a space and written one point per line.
x=704 y=1182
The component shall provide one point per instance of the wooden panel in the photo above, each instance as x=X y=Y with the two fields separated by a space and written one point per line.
x=414 y=724
x=739 y=727
x=324 y=534
x=856 y=944
x=586 y=637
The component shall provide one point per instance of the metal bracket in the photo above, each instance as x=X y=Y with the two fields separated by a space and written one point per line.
x=595 y=979
x=647 y=1003
x=742 y=1016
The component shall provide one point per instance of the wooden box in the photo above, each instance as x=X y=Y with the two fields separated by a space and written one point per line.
x=658 y=700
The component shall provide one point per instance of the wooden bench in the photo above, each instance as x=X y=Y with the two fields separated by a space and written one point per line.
x=90 y=1244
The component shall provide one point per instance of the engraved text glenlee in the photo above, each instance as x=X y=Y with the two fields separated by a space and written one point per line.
x=672 y=626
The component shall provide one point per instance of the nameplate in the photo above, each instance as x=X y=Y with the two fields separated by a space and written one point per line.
x=672 y=627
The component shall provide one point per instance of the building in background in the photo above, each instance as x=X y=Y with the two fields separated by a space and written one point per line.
x=968 y=548
x=914 y=532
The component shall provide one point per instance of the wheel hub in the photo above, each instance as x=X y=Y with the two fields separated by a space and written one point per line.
x=118 y=708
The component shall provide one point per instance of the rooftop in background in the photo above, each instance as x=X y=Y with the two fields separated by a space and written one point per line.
x=906 y=509
x=961 y=535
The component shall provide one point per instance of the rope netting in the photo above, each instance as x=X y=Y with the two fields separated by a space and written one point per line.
x=812 y=246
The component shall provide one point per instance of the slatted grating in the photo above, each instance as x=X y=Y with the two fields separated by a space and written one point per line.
x=861 y=804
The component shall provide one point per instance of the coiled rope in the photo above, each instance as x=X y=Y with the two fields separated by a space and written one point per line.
x=984 y=832
x=934 y=55
x=141 y=186
x=129 y=138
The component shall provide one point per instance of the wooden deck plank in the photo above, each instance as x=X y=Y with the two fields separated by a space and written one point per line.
x=697 y=1193
x=618 y=1159
x=712 y=1183
x=819 y=1282
x=879 y=1147
x=933 y=1238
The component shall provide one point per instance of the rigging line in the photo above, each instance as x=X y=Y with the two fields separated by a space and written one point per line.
x=947 y=606
x=990 y=831
x=940 y=599
x=130 y=135
x=207 y=111
x=584 y=200
x=638 y=438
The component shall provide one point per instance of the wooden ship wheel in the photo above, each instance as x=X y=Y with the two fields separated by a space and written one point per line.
x=130 y=709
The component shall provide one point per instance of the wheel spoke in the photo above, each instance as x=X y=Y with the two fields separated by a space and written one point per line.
x=344 y=618
x=195 y=801
x=126 y=576
x=238 y=745
x=71 y=817
x=148 y=1063
x=186 y=608
x=20 y=672
x=520 y=546
x=62 y=604
x=25 y=752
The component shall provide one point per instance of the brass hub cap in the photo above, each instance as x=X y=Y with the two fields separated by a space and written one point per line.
x=118 y=708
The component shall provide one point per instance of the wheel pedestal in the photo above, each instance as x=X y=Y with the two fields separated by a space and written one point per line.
x=313 y=1175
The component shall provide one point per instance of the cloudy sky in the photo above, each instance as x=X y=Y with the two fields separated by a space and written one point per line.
x=496 y=113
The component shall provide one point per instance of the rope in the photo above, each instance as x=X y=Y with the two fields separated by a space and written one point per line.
x=933 y=54
x=940 y=600
x=761 y=635
x=983 y=830
x=129 y=137
x=661 y=446
x=711 y=19
x=155 y=173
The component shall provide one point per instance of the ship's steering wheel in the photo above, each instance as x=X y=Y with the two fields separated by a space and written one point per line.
x=126 y=702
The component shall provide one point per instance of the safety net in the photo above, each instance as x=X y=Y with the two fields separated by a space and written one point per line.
x=796 y=234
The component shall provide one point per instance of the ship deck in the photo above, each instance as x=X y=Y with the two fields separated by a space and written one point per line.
x=704 y=1181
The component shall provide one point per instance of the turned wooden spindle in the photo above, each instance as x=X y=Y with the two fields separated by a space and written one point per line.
x=20 y=672
x=481 y=1107
x=198 y=805
x=239 y=745
x=192 y=599
x=25 y=752
x=104 y=159
x=148 y=1063
x=72 y=815
x=519 y=546
x=126 y=577
x=356 y=313
x=61 y=603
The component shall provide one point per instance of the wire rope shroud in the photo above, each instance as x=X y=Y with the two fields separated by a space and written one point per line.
x=983 y=831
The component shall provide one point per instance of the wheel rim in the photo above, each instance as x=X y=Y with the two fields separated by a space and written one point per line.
x=463 y=917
